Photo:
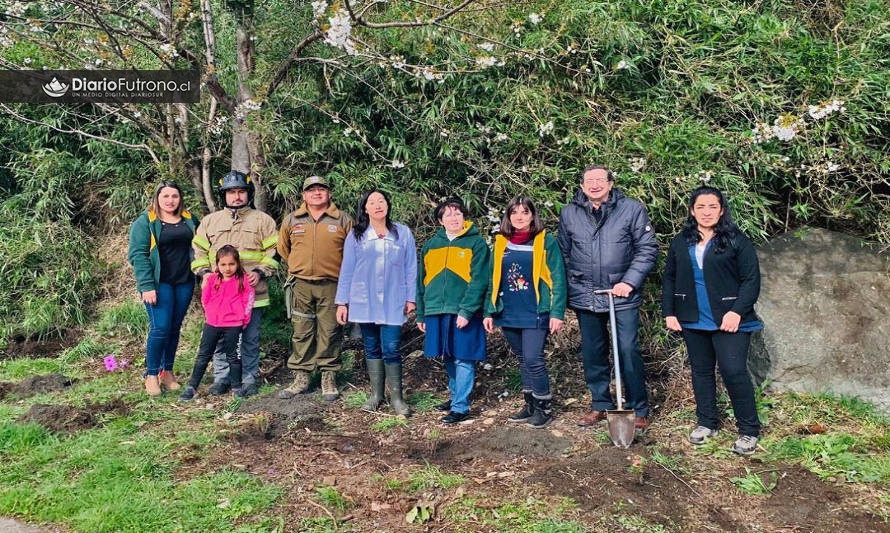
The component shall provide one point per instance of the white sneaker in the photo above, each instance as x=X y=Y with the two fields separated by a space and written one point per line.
x=700 y=434
x=745 y=445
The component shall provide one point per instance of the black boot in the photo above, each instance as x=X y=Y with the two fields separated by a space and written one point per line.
x=376 y=375
x=394 y=378
x=543 y=414
x=527 y=410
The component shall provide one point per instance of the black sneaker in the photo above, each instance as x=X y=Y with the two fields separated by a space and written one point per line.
x=249 y=390
x=454 y=417
x=219 y=388
x=444 y=406
x=188 y=394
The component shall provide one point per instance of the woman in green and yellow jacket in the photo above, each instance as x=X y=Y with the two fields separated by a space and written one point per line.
x=452 y=281
x=161 y=255
x=527 y=299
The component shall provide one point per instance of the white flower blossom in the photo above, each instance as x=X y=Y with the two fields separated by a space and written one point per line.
x=787 y=126
x=16 y=9
x=823 y=109
x=545 y=129
x=338 y=34
x=501 y=137
x=28 y=60
x=397 y=61
x=218 y=125
x=622 y=65
x=488 y=47
x=486 y=61
x=397 y=164
x=319 y=8
x=428 y=74
x=637 y=164
x=169 y=50
x=705 y=176
x=535 y=18
x=244 y=108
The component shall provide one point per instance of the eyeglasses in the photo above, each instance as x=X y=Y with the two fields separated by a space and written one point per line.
x=597 y=181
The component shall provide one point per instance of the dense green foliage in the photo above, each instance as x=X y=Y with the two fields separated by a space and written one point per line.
x=781 y=103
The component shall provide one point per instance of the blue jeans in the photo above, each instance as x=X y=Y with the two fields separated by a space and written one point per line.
x=595 y=343
x=382 y=341
x=461 y=376
x=248 y=350
x=527 y=344
x=729 y=353
x=165 y=321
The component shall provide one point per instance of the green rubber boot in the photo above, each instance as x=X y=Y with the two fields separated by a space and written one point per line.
x=376 y=375
x=394 y=378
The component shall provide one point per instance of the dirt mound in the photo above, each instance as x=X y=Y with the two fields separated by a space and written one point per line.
x=68 y=419
x=501 y=441
x=34 y=346
x=275 y=417
x=35 y=385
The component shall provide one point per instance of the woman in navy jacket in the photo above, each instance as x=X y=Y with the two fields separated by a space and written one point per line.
x=711 y=282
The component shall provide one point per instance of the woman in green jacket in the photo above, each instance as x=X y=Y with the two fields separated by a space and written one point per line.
x=527 y=299
x=161 y=255
x=452 y=281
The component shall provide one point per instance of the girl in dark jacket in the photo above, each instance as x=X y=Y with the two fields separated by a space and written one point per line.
x=527 y=299
x=711 y=282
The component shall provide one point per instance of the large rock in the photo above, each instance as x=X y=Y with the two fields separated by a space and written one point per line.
x=825 y=304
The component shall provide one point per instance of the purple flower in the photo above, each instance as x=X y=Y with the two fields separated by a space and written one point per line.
x=110 y=363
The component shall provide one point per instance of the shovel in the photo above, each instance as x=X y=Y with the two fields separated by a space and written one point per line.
x=621 y=420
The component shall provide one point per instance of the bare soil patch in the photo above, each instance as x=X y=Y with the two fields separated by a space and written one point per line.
x=304 y=443
x=68 y=419
x=35 y=385
x=21 y=346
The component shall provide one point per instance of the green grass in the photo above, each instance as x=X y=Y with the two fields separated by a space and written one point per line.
x=332 y=499
x=851 y=445
x=127 y=319
x=87 y=348
x=528 y=516
x=756 y=483
x=389 y=423
x=837 y=456
x=424 y=402
x=430 y=477
x=121 y=474
x=355 y=399
x=18 y=369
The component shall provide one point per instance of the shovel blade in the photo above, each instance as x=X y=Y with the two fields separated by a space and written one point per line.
x=621 y=427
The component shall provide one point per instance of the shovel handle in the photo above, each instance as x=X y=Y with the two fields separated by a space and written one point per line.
x=613 y=323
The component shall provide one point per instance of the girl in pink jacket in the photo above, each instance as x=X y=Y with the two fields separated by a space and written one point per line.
x=228 y=300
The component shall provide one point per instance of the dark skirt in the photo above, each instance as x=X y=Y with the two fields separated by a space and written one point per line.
x=443 y=338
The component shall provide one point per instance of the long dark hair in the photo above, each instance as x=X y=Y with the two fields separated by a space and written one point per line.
x=230 y=251
x=724 y=231
x=536 y=226
x=363 y=220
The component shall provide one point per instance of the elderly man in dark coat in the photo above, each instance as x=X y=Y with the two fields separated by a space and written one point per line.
x=608 y=243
